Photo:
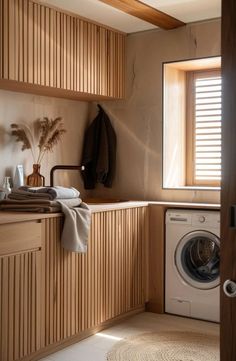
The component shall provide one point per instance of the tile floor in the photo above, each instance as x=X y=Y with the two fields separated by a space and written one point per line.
x=95 y=347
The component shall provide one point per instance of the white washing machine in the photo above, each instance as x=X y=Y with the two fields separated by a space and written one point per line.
x=192 y=264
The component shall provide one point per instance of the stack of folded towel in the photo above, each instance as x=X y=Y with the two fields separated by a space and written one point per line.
x=55 y=199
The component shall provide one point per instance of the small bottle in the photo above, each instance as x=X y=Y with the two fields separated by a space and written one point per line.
x=6 y=185
x=19 y=176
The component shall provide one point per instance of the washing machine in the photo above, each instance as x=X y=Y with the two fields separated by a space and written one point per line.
x=192 y=260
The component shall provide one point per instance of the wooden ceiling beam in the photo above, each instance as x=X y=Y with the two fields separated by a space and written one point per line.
x=145 y=12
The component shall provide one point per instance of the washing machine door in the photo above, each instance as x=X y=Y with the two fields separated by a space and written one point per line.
x=197 y=259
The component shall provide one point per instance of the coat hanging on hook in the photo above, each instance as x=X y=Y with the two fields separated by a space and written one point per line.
x=99 y=152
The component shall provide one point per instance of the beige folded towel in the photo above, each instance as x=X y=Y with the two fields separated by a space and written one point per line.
x=33 y=201
x=51 y=193
x=23 y=195
x=37 y=205
x=30 y=208
x=76 y=226
x=74 y=202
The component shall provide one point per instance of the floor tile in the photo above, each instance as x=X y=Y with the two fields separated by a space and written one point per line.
x=95 y=348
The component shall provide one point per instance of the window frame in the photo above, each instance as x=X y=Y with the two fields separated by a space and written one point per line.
x=190 y=127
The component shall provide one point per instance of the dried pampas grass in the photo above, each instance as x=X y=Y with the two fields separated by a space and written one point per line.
x=48 y=132
x=21 y=136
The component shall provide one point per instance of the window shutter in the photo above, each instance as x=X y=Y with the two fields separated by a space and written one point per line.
x=207 y=128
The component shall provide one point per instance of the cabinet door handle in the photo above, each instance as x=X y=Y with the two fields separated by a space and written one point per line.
x=229 y=288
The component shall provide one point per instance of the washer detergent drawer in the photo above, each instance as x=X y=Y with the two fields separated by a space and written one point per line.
x=178 y=306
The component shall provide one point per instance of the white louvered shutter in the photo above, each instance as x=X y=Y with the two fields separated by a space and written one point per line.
x=207 y=128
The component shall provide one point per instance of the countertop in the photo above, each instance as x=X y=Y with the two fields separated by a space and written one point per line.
x=186 y=205
x=12 y=217
x=102 y=207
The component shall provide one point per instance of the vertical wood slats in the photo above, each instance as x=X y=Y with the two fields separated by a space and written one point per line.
x=43 y=46
x=49 y=295
x=84 y=290
x=20 y=305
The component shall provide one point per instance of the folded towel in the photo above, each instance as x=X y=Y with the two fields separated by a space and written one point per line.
x=77 y=214
x=76 y=226
x=29 y=202
x=37 y=205
x=23 y=195
x=30 y=208
x=47 y=192
x=74 y=202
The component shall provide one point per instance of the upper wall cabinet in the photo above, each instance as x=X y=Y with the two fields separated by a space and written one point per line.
x=46 y=51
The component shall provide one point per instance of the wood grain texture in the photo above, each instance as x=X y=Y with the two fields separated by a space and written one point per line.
x=50 y=297
x=20 y=315
x=156 y=259
x=42 y=46
x=17 y=238
x=228 y=190
x=146 y=13
x=84 y=290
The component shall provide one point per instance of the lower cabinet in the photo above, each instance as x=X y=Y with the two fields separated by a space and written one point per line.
x=50 y=296
x=20 y=304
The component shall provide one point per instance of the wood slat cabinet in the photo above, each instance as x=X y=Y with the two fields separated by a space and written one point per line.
x=47 y=51
x=20 y=290
x=50 y=298
x=84 y=291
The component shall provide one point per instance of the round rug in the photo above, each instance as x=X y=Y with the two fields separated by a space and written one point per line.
x=167 y=346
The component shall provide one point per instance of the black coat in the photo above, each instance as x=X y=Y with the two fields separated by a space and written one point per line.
x=99 y=152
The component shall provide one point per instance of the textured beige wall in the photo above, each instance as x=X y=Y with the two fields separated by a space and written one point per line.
x=18 y=107
x=138 y=119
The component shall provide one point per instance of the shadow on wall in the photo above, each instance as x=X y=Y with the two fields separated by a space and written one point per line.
x=129 y=133
x=5 y=140
x=3 y=133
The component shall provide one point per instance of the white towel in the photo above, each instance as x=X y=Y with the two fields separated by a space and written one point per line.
x=76 y=227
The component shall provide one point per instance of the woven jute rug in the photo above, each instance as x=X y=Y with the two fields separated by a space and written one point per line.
x=167 y=346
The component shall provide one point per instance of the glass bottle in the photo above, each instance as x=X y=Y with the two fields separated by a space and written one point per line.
x=36 y=179
x=6 y=185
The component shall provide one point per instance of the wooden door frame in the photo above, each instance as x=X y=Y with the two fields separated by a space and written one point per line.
x=228 y=189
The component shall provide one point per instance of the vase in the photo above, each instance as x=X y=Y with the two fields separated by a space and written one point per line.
x=36 y=179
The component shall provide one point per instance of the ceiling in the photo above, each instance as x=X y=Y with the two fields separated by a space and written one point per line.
x=184 y=10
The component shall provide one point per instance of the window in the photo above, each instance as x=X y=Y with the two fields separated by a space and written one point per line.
x=192 y=123
x=203 y=126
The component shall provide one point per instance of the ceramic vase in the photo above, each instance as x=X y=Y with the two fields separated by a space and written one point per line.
x=36 y=179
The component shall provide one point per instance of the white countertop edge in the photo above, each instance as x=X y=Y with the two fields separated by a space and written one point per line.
x=185 y=204
x=103 y=207
x=95 y=208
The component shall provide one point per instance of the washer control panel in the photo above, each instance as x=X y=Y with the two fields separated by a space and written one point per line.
x=209 y=219
x=196 y=218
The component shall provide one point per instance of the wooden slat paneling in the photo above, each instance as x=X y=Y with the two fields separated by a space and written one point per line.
x=41 y=45
x=49 y=295
x=84 y=290
x=19 y=305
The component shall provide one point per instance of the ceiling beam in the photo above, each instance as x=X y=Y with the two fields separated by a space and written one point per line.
x=145 y=12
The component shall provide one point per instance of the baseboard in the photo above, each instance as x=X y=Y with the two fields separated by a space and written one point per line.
x=82 y=335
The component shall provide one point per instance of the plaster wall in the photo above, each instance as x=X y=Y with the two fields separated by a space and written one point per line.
x=25 y=108
x=138 y=119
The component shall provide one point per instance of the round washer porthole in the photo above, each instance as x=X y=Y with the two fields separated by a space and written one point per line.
x=197 y=259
